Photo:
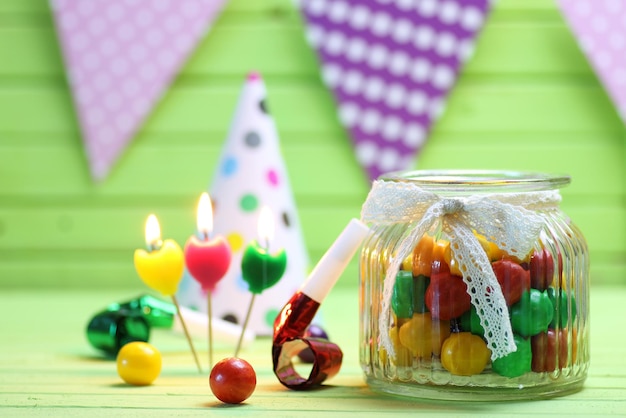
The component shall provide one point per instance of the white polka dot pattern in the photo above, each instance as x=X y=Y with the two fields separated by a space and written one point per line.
x=120 y=56
x=390 y=65
x=600 y=27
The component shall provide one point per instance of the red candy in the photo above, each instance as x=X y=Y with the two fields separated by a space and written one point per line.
x=513 y=279
x=541 y=269
x=446 y=296
x=544 y=347
x=232 y=380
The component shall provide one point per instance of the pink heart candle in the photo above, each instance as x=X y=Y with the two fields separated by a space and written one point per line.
x=207 y=259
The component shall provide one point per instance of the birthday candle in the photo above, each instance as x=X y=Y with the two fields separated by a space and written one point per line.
x=260 y=268
x=162 y=267
x=207 y=259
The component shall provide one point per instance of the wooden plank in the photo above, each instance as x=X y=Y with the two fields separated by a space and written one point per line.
x=144 y=171
x=68 y=379
x=547 y=108
x=232 y=47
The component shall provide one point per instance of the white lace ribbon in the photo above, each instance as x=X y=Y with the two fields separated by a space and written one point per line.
x=509 y=220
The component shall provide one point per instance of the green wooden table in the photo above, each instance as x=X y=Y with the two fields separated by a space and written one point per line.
x=48 y=369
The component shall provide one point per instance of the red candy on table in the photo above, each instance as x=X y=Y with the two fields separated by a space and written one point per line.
x=232 y=380
x=513 y=279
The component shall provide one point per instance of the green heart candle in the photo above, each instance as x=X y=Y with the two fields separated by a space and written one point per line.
x=260 y=268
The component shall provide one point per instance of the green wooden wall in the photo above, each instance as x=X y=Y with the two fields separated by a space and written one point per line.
x=527 y=100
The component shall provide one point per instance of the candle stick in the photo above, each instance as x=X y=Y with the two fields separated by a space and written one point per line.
x=161 y=268
x=259 y=268
x=207 y=259
x=297 y=314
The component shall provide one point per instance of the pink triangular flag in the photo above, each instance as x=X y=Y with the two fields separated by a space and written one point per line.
x=120 y=57
x=600 y=27
x=391 y=65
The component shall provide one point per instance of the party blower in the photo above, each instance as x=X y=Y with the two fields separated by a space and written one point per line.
x=293 y=320
x=121 y=323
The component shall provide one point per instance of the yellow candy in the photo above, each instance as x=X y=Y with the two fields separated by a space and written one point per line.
x=422 y=337
x=407 y=263
x=403 y=356
x=464 y=354
x=138 y=363
x=161 y=269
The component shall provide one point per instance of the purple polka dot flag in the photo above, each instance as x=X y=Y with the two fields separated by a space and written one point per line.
x=390 y=65
x=251 y=174
x=120 y=57
x=600 y=27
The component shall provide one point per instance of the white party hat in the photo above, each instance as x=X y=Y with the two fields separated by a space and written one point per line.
x=251 y=174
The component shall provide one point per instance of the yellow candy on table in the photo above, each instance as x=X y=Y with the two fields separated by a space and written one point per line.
x=138 y=363
x=161 y=269
x=464 y=354
x=423 y=337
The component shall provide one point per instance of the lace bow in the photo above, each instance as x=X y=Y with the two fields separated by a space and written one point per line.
x=503 y=218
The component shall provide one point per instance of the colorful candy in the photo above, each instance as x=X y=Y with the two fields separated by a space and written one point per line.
x=516 y=363
x=541 y=268
x=564 y=311
x=546 y=350
x=464 y=354
x=408 y=294
x=434 y=317
x=447 y=297
x=232 y=380
x=513 y=280
x=470 y=322
x=138 y=363
x=532 y=314
x=423 y=336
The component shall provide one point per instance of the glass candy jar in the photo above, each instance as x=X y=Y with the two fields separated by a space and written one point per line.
x=473 y=286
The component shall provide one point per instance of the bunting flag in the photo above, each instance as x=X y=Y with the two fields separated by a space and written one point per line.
x=600 y=28
x=251 y=174
x=390 y=65
x=120 y=57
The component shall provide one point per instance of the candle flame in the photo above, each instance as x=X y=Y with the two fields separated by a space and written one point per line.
x=204 y=220
x=153 y=232
x=266 y=225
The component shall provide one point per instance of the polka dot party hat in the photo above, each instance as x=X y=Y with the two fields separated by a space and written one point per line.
x=120 y=57
x=251 y=174
x=390 y=65
x=600 y=27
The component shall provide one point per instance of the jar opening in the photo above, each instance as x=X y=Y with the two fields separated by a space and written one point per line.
x=473 y=181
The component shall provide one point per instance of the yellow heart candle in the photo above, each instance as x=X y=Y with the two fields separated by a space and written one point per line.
x=161 y=268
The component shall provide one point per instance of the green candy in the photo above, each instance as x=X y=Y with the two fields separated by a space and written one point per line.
x=561 y=307
x=471 y=322
x=420 y=283
x=516 y=363
x=402 y=296
x=408 y=294
x=532 y=314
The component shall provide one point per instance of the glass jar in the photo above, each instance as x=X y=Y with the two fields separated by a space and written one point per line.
x=474 y=285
